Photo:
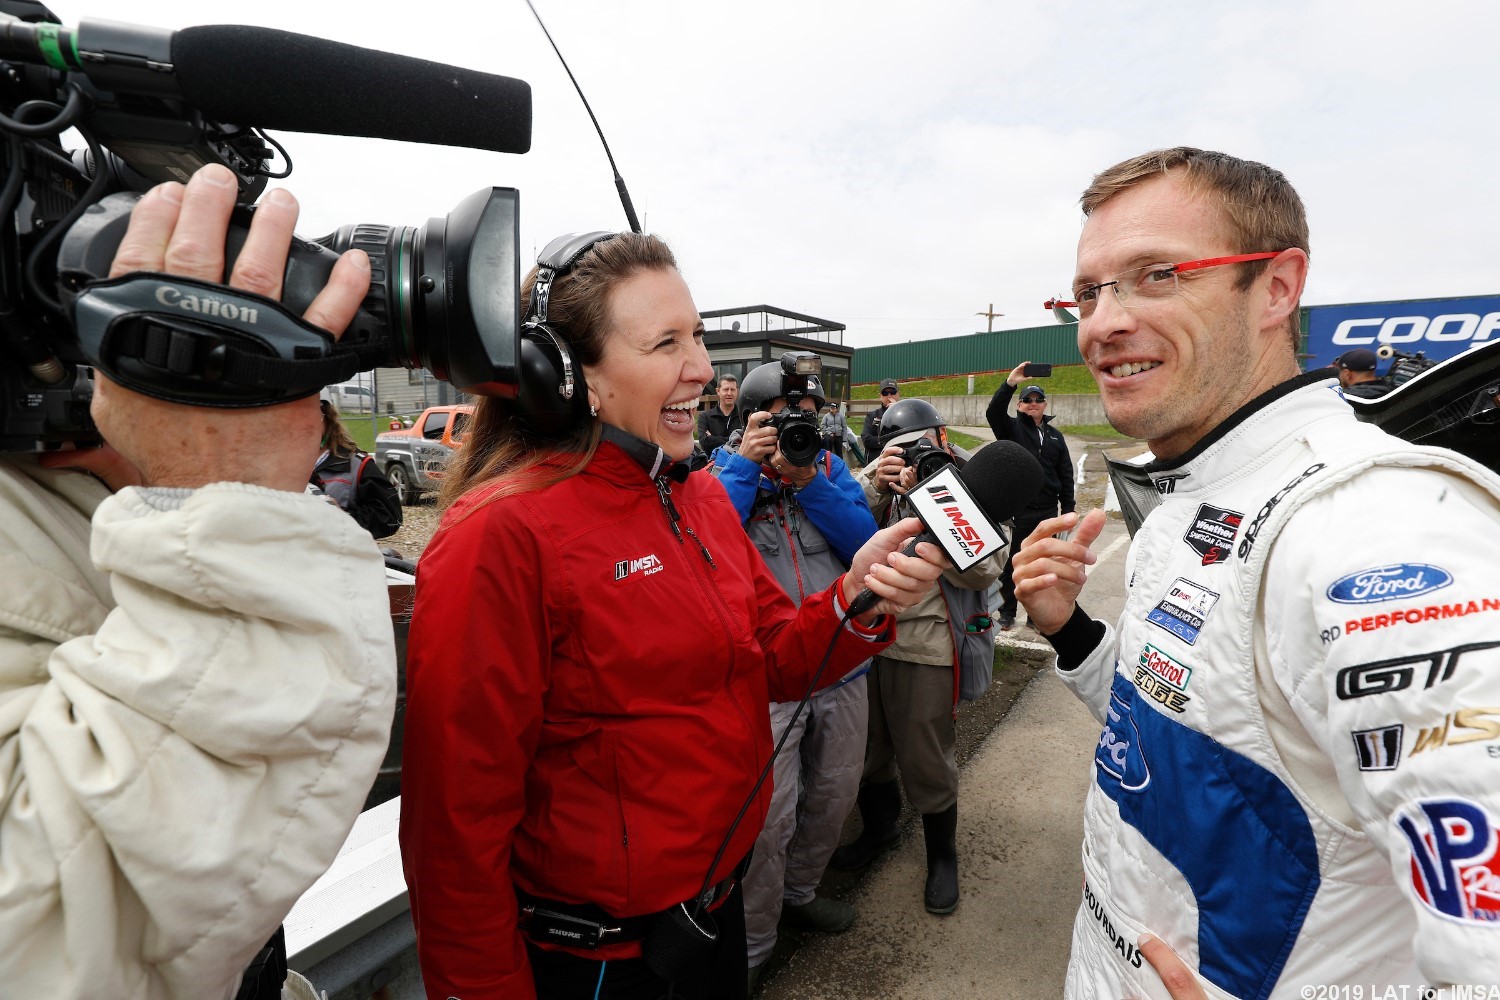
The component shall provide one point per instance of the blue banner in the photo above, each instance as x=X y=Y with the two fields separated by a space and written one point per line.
x=1439 y=328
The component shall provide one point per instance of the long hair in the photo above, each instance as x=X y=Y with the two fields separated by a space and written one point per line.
x=335 y=435
x=499 y=455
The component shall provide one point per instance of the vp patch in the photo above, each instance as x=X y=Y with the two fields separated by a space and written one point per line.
x=1455 y=868
x=1184 y=610
x=1212 y=532
x=1379 y=749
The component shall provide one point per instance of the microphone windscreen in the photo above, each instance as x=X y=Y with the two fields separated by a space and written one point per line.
x=249 y=76
x=1003 y=477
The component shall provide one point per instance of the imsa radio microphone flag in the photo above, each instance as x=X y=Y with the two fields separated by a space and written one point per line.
x=955 y=518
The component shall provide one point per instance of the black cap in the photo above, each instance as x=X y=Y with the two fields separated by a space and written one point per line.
x=1358 y=360
x=888 y=383
x=1032 y=390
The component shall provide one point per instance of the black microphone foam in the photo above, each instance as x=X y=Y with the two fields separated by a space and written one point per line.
x=1003 y=478
x=245 y=75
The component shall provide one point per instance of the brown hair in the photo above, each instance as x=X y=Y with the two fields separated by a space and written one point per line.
x=335 y=435
x=499 y=453
x=1261 y=208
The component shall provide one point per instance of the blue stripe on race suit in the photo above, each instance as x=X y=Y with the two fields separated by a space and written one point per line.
x=1235 y=832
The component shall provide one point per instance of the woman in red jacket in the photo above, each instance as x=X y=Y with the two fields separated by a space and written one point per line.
x=594 y=643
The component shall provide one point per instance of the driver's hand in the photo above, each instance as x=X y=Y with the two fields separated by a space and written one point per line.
x=180 y=229
x=759 y=442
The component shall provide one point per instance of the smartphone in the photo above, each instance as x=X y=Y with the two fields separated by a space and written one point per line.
x=1038 y=371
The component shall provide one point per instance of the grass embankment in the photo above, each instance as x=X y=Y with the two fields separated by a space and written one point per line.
x=1064 y=380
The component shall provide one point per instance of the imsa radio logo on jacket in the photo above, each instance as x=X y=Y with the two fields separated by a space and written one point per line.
x=646 y=565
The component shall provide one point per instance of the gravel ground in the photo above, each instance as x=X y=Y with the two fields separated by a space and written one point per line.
x=418 y=524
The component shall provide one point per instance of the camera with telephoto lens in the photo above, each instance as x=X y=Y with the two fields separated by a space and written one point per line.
x=444 y=296
x=798 y=437
x=926 y=457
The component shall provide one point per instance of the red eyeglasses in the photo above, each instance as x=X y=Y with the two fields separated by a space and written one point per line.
x=1147 y=284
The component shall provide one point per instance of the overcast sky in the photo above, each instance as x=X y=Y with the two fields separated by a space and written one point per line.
x=897 y=167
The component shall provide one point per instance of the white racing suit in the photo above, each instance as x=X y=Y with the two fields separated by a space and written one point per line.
x=1298 y=781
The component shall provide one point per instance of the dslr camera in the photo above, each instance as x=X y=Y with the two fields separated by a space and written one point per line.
x=926 y=457
x=443 y=296
x=797 y=433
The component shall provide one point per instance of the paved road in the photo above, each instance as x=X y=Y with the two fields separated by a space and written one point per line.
x=1020 y=831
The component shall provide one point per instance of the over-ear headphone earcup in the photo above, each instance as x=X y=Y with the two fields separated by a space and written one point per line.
x=539 y=403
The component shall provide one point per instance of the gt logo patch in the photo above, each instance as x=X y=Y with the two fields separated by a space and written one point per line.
x=1398 y=673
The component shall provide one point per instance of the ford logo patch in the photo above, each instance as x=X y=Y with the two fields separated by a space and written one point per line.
x=1388 y=583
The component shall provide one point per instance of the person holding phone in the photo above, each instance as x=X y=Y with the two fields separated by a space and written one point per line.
x=1029 y=428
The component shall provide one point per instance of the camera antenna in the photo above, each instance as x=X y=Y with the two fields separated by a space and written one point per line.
x=635 y=225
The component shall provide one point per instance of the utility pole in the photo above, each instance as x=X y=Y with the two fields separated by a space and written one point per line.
x=990 y=327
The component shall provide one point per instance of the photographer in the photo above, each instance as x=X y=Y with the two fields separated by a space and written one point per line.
x=807 y=517
x=198 y=671
x=914 y=684
x=1029 y=428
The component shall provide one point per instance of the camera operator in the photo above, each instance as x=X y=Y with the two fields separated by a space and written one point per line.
x=1029 y=428
x=1357 y=374
x=914 y=684
x=198 y=672
x=807 y=521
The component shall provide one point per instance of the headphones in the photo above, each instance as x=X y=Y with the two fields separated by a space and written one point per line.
x=552 y=397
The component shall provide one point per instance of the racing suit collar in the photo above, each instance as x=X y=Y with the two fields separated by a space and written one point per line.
x=1179 y=467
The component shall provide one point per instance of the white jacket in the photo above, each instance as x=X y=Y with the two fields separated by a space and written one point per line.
x=1298 y=782
x=195 y=694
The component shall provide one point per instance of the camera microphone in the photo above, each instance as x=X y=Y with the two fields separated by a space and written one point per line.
x=959 y=508
x=244 y=75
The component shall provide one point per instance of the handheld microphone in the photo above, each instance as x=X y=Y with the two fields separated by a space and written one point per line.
x=959 y=509
x=251 y=76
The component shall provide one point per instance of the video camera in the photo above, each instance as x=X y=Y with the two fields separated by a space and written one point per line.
x=154 y=105
x=1405 y=367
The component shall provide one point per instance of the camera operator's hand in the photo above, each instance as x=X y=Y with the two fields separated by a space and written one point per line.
x=797 y=475
x=759 y=442
x=180 y=229
x=899 y=579
x=1017 y=375
x=891 y=473
x=104 y=462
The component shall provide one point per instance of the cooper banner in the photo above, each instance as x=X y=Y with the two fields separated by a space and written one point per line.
x=1439 y=328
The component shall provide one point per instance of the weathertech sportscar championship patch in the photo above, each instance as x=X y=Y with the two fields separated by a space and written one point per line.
x=1184 y=610
x=1211 y=534
x=1455 y=866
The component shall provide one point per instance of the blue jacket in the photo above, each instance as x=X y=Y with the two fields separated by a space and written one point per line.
x=833 y=502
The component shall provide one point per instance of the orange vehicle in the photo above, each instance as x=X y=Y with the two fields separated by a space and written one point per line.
x=414 y=458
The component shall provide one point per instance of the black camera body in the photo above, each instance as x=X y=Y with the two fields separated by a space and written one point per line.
x=444 y=296
x=926 y=457
x=797 y=435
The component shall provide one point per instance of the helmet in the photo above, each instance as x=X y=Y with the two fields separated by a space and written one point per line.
x=907 y=415
x=770 y=380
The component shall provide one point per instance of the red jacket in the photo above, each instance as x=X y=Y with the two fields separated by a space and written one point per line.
x=586 y=709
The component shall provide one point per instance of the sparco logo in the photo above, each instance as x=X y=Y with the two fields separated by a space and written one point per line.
x=646 y=564
x=1388 y=583
x=959 y=527
x=1398 y=673
x=1248 y=542
x=206 y=305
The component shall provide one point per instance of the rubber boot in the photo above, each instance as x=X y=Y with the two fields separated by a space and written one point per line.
x=941 y=829
x=879 y=808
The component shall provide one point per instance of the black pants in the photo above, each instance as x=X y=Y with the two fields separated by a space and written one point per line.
x=562 y=976
x=1025 y=524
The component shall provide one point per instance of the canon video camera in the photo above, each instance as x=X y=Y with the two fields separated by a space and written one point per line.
x=154 y=105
